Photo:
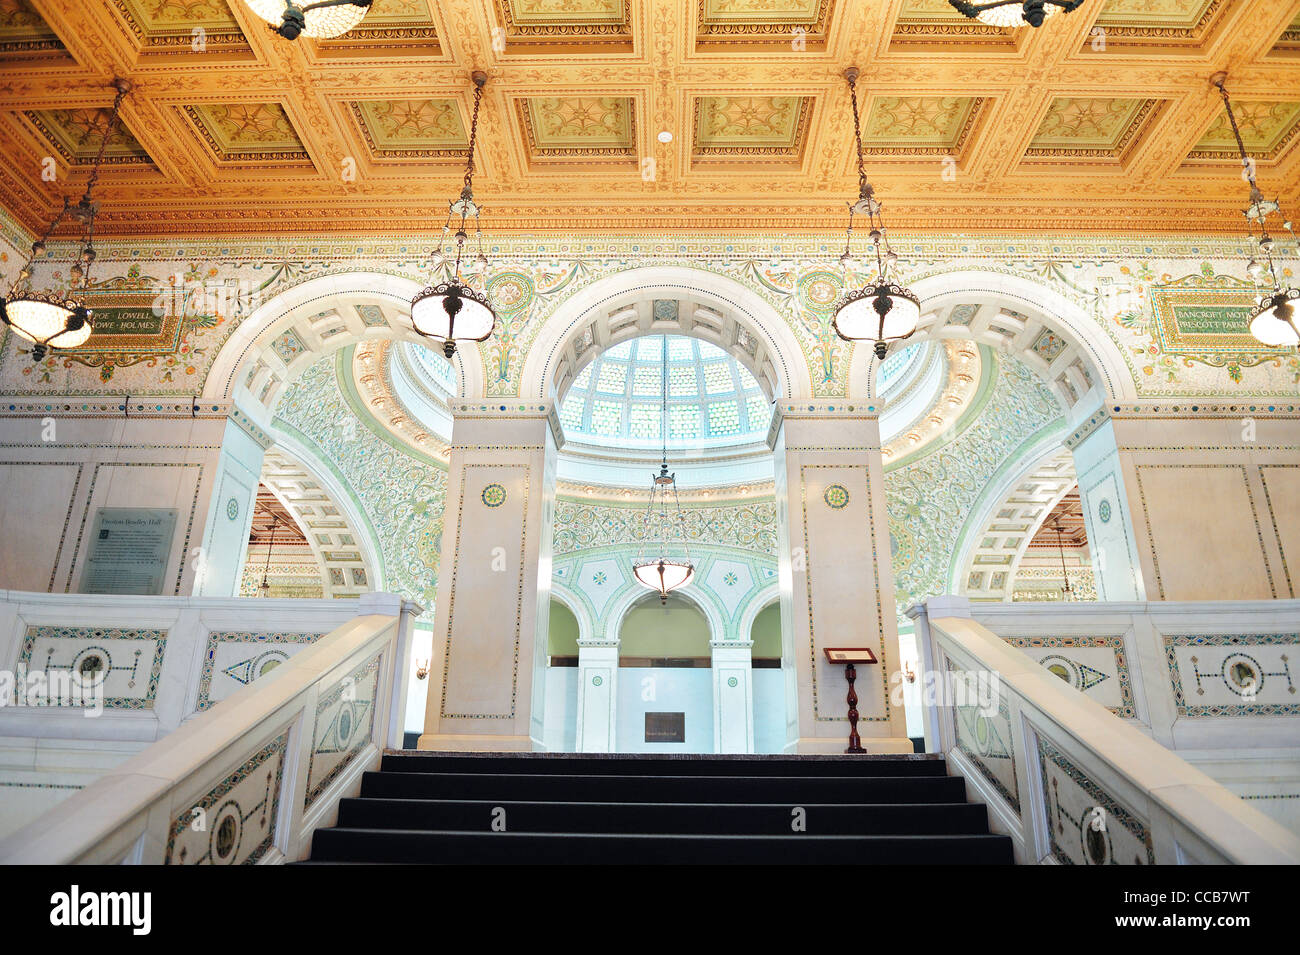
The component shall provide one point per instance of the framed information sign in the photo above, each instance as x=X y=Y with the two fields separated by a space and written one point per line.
x=129 y=550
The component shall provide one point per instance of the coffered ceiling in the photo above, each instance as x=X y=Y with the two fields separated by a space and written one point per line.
x=1103 y=120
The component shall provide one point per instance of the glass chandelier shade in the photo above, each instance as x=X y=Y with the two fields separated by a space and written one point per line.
x=1014 y=13
x=1273 y=320
x=50 y=319
x=451 y=311
x=884 y=311
x=661 y=572
x=322 y=20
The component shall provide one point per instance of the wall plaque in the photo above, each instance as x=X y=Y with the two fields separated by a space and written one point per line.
x=129 y=550
x=665 y=727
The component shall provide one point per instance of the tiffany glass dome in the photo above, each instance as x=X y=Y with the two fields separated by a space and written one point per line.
x=713 y=400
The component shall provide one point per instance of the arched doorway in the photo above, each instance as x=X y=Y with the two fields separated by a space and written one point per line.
x=769 y=679
x=665 y=697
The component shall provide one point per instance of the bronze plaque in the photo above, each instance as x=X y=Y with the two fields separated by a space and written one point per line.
x=665 y=727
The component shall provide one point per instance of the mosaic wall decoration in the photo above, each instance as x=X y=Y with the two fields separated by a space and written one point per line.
x=750 y=525
x=986 y=737
x=1087 y=825
x=1111 y=279
x=401 y=495
x=234 y=659
x=1233 y=674
x=128 y=662
x=1094 y=665
x=930 y=500
x=345 y=717
x=234 y=822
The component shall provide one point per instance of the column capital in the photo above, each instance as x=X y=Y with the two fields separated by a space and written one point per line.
x=512 y=414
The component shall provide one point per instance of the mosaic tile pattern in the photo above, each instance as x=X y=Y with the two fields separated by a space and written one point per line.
x=1087 y=825
x=232 y=659
x=1233 y=674
x=130 y=661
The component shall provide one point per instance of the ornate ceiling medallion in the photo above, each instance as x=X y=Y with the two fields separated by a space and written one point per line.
x=883 y=311
x=50 y=319
x=1273 y=320
x=452 y=311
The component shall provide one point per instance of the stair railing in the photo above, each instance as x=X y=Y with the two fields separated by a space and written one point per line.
x=250 y=779
x=1065 y=778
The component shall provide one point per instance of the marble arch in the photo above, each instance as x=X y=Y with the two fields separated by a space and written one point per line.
x=757 y=604
x=339 y=538
x=966 y=302
x=286 y=334
x=613 y=309
x=572 y=603
x=1004 y=526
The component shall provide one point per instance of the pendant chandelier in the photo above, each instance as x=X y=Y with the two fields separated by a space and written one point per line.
x=452 y=311
x=1014 y=13
x=1067 y=593
x=1273 y=319
x=884 y=311
x=323 y=20
x=265 y=588
x=663 y=573
x=50 y=319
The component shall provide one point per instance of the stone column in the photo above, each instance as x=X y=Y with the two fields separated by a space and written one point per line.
x=733 y=696
x=494 y=580
x=1202 y=493
x=837 y=589
x=597 y=695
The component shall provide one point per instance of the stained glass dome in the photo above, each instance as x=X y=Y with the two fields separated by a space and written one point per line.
x=713 y=400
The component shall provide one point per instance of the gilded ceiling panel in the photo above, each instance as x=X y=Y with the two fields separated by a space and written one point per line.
x=23 y=31
x=579 y=126
x=158 y=17
x=556 y=22
x=411 y=128
x=1096 y=127
x=1156 y=14
x=1267 y=128
x=733 y=126
x=76 y=134
x=919 y=124
x=243 y=131
x=390 y=28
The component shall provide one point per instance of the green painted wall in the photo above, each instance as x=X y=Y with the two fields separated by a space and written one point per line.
x=562 y=636
x=678 y=629
x=766 y=633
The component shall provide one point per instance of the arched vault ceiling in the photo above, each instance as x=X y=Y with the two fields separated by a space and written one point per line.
x=234 y=130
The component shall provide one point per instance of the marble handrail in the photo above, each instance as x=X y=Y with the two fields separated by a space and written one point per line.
x=1063 y=776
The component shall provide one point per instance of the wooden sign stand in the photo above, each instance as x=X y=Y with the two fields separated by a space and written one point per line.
x=850 y=657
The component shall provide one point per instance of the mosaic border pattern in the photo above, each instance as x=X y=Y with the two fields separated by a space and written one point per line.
x=146 y=702
x=1137 y=827
x=1128 y=707
x=277 y=747
x=1173 y=641
x=354 y=678
x=241 y=636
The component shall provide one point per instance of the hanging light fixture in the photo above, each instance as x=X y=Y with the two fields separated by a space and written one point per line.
x=452 y=311
x=1273 y=319
x=266 y=570
x=1066 y=592
x=663 y=573
x=323 y=20
x=52 y=319
x=1014 y=13
x=884 y=311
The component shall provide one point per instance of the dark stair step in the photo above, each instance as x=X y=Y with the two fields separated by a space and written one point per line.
x=412 y=846
x=665 y=818
x=601 y=765
x=724 y=789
